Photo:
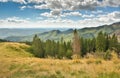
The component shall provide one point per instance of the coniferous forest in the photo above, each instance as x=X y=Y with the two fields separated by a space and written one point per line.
x=102 y=45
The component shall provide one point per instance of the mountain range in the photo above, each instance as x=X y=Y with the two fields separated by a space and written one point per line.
x=57 y=34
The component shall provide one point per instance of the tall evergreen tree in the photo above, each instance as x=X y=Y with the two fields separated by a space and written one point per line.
x=113 y=42
x=76 y=44
x=100 y=42
x=62 y=49
x=37 y=46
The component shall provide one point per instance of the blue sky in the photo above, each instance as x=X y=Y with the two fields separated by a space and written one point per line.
x=58 y=13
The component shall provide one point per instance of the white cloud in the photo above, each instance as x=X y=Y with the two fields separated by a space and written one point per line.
x=108 y=18
x=18 y=1
x=3 y=0
x=58 y=13
x=13 y=21
x=112 y=3
x=97 y=12
x=46 y=14
x=72 y=14
x=68 y=4
x=74 y=4
x=53 y=14
x=35 y=1
x=58 y=6
x=88 y=16
x=43 y=6
x=22 y=7
x=59 y=22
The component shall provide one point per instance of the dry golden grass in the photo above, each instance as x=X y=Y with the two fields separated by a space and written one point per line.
x=54 y=68
x=10 y=49
x=31 y=67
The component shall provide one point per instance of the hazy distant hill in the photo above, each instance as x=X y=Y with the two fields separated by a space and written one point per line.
x=68 y=34
x=10 y=32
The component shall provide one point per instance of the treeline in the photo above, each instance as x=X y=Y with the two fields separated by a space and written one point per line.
x=51 y=48
x=102 y=43
x=2 y=40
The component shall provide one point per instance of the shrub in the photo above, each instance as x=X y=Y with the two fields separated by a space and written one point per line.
x=77 y=61
x=90 y=61
x=69 y=54
x=107 y=55
x=89 y=55
x=98 y=62
x=114 y=55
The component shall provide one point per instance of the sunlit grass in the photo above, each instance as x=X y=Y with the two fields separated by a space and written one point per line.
x=19 y=65
x=10 y=49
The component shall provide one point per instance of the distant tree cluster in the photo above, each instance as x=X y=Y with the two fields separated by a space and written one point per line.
x=50 y=48
x=79 y=46
x=102 y=43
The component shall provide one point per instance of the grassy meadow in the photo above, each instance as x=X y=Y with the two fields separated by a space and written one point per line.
x=16 y=62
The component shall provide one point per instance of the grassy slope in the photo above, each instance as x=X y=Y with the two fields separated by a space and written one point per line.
x=10 y=49
x=14 y=64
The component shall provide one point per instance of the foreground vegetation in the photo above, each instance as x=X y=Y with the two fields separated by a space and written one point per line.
x=16 y=62
x=53 y=68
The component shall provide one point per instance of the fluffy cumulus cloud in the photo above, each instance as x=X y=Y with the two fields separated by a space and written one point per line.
x=53 y=14
x=73 y=5
x=102 y=19
x=113 y=3
x=72 y=14
x=68 y=4
x=23 y=7
x=110 y=17
x=59 y=10
x=18 y=1
x=59 y=22
x=57 y=13
x=3 y=0
x=13 y=21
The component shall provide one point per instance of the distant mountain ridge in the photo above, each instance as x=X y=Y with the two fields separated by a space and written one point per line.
x=68 y=34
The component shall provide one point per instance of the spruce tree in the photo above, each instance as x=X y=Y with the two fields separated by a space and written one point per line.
x=100 y=42
x=76 y=45
x=37 y=47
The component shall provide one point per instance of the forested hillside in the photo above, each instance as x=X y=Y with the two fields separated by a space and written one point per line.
x=56 y=34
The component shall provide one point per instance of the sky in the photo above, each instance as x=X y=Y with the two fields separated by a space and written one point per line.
x=58 y=13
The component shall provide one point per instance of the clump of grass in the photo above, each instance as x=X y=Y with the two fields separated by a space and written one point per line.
x=90 y=61
x=114 y=56
x=81 y=72
x=52 y=76
x=109 y=75
x=73 y=73
x=108 y=55
x=58 y=72
x=77 y=61
x=13 y=66
x=98 y=62
x=89 y=55
x=117 y=61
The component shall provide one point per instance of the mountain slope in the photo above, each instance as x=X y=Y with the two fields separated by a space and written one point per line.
x=68 y=34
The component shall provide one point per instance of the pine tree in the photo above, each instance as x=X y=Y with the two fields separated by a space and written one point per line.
x=100 y=42
x=113 y=42
x=48 y=48
x=62 y=50
x=76 y=45
x=37 y=47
